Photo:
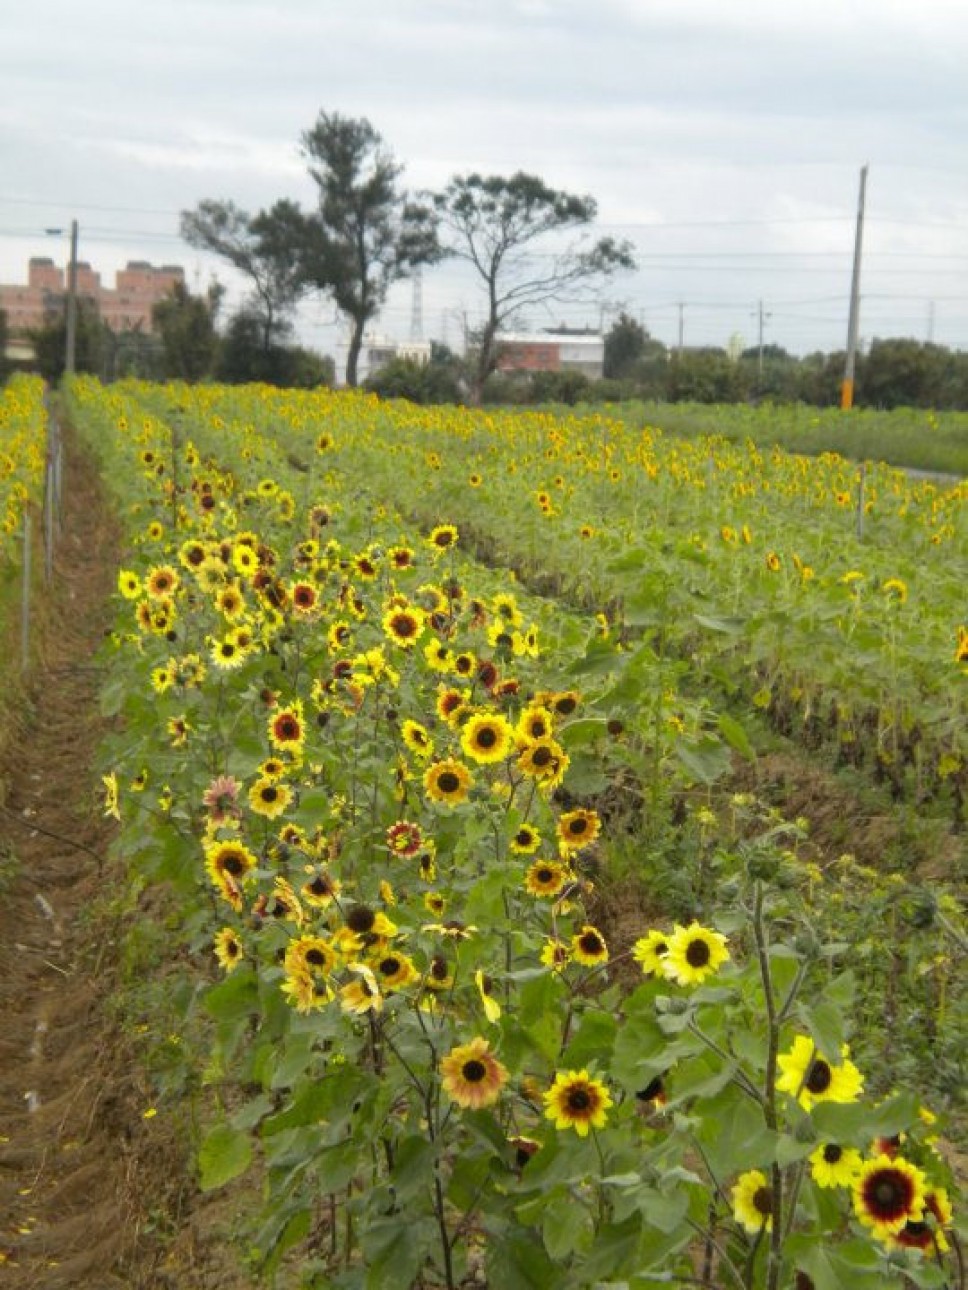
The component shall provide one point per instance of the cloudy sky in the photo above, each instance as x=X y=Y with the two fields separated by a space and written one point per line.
x=725 y=138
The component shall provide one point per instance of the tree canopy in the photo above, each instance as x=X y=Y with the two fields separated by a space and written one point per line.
x=492 y=222
x=366 y=234
x=263 y=247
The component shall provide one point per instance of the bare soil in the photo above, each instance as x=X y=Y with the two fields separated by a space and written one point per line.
x=75 y=1150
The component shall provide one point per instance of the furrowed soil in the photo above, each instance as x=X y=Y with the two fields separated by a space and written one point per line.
x=88 y=1184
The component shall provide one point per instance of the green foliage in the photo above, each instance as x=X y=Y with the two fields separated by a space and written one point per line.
x=187 y=331
x=527 y=1102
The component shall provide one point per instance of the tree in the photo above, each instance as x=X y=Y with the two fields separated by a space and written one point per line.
x=243 y=359
x=264 y=248
x=187 y=330
x=92 y=343
x=625 y=344
x=5 y=366
x=492 y=222
x=366 y=234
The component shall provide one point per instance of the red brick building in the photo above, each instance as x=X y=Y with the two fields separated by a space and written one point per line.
x=125 y=307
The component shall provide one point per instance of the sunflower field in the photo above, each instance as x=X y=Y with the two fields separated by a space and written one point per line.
x=437 y=730
x=23 y=429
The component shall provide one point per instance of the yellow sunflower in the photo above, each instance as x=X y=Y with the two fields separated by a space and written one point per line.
x=576 y=1100
x=448 y=782
x=578 y=828
x=810 y=1077
x=486 y=739
x=694 y=953
x=752 y=1199
x=472 y=1076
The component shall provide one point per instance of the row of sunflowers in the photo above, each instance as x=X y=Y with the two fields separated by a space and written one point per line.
x=23 y=430
x=382 y=778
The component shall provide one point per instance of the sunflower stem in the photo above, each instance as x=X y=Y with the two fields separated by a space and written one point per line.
x=769 y=1087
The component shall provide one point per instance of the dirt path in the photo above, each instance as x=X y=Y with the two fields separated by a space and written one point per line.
x=70 y=1113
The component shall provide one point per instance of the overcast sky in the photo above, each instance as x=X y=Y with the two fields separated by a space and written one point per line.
x=725 y=138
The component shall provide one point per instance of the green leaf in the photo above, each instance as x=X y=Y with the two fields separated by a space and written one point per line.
x=394 y=1249
x=593 y=1042
x=566 y=1226
x=579 y=733
x=736 y=737
x=706 y=759
x=516 y=1261
x=224 y=1154
x=825 y=1021
x=615 y=1248
x=722 y=624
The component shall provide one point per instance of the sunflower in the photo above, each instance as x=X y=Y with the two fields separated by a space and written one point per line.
x=578 y=828
x=417 y=738
x=228 y=949
x=339 y=636
x=403 y=625
x=773 y=562
x=695 y=953
x=162 y=581
x=588 y=947
x=888 y=1194
x=305 y=599
x=245 y=561
x=230 y=602
x=427 y=862
x=319 y=890
x=485 y=988
x=486 y=739
x=808 y=1076
x=649 y=951
x=448 y=782
x=439 y=656
x=753 y=1201
x=226 y=652
x=464 y=664
x=505 y=607
x=227 y=864
x=404 y=838
x=129 y=584
x=307 y=993
x=927 y=1232
x=286 y=730
x=221 y=799
x=178 y=731
x=111 y=797
x=438 y=976
x=546 y=878
x=545 y=761
x=576 y=1100
x=269 y=797
x=451 y=704
x=394 y=971
x=535 y=722
x=442 y=538
x=363 y=994
x=832 y=1165
x=555 y=954
x=526 y=841
x=472 y=1076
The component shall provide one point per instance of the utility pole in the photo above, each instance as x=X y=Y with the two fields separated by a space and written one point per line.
x=847 y=389
x=416 y=306
x=682 y=326
x=930 y=322
x=71 y=352
x=760 y=315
